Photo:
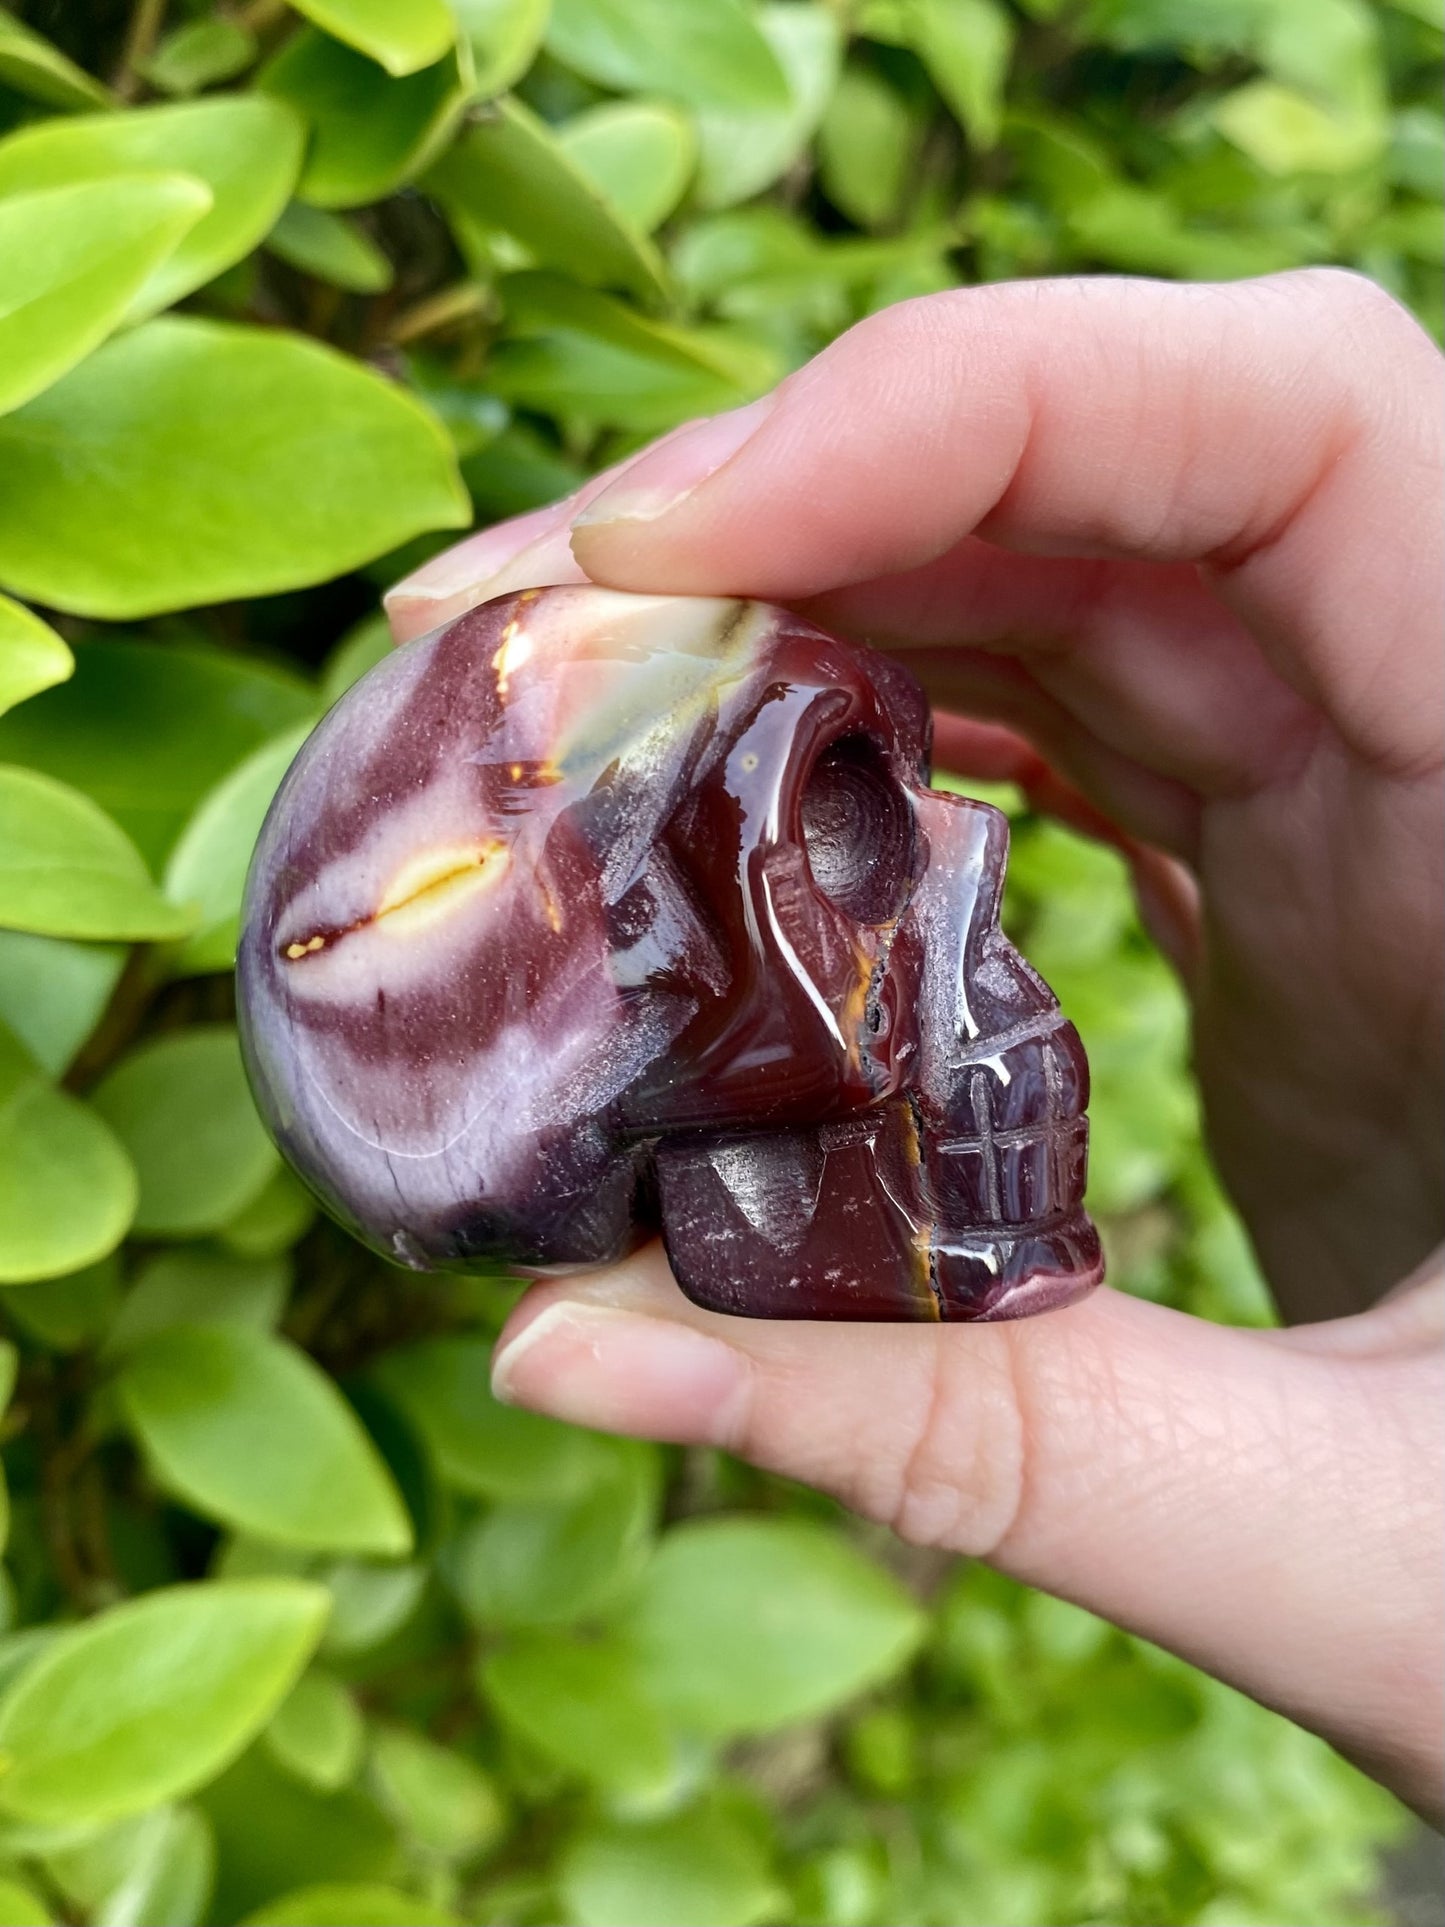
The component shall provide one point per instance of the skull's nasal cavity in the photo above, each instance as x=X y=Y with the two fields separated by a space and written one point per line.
x=858 y=831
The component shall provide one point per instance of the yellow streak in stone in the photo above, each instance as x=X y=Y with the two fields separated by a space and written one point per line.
x=516 y=647
x=438 y=882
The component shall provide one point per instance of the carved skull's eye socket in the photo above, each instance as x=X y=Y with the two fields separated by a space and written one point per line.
x=858 y=830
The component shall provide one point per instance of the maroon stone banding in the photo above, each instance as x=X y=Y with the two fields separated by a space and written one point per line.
x=636 y=914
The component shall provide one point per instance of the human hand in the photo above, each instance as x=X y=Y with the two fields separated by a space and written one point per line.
x=1182 y=541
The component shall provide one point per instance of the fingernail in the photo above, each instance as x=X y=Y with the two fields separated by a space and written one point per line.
x=660 y=479
x=418 y=604
x=619 y=1371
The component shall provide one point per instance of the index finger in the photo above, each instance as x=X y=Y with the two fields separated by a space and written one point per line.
x=1282 y=433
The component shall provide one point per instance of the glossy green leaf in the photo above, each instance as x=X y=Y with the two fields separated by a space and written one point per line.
x=67 y=870
x=199 y=1285
x=149 y=1870
x=530 y=1564
x=250 y=1433
x=53 y=992
x=743 y=150
x=510 y=171
x=71 y=260
x=495 y=1451
x=181 y=1106
x=332 y=249
x=271 y=1221
x=32 y=656
x=370 y=1602
x=66 y=1312
x=576 y=351
x=504 y=36
x=35 y=68
x=867 y=147
x=1287 y=132
x=965 y=45
x=400 y=35
x=442 y=1800
x=638 y=155
x=702 y=1868
x=246 y=150
x=583 y=1703
x=20 y=1906
x=708 y=53
x=359 y=649
x=351 y=1905
x=146 y=729
x=318 y=1733
x=274 y=1833
x=200 y=53
x=370 y=132
x=207 y=867
x=744 y=1625
x=190 y=461
x=151 y=1698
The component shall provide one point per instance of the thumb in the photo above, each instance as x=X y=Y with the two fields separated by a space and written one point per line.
x=1262 y=1503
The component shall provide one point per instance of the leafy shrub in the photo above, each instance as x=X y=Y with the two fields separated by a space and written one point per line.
x=302 y=1627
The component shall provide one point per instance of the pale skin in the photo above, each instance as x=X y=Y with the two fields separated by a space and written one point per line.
x=1175 y=552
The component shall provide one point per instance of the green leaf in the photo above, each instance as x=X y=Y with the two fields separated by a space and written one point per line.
x=66 y=870
x=248 y=1431
x=703 y=1868
x=745 y=1625
x=151 y=1698
x=274 y=1833
x=41 y=72
x=1286 y=132
x=509 y=171
x=867 y=147
x=966 y=45
x=370 y=133
x=401 y=35
x=190 y=462
x=530 y=1564
x=71 y=260
x=53 y=992
x=32 y=656
x=207 y=867
x=146 y=1871
x=19 y=1907
x=638 y=154
x=574 y=351
x=317 y=1733
x=333 y=250
x=504 y=37
x=369 y=1603
x=146 y=729
x=360 y=649
x=273 y=1220
x=199 y=1285
x=494 y=1451
x=584 y=1704
x=182 y=1108
x=246 y=151
x=199 y=54
x=350 y=1905
x=742 y=151
x=709 y=53
x=441 y=1800
x=70 y=1311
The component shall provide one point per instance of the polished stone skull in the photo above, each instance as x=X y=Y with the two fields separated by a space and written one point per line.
x=592 y=913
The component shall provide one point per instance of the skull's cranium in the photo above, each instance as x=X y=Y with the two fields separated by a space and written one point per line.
x=593 y=911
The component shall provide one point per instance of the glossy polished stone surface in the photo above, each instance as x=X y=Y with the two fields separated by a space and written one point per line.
x=592 y=914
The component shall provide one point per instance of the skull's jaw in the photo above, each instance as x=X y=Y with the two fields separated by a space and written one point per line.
x=835 y=1222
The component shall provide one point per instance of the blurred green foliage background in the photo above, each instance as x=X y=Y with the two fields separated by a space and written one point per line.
x=300 y=1626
